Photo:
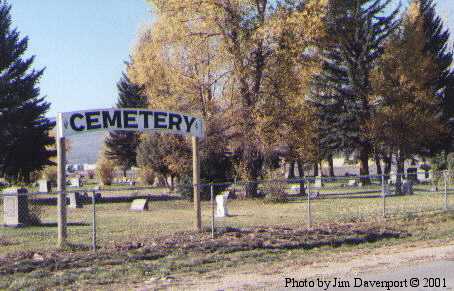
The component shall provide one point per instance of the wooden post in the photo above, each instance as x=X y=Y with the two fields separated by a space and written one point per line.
x=212 y=209
x=61 y=186
x=196 y=183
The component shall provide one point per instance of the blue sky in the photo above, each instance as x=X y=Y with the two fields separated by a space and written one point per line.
x=83 y=45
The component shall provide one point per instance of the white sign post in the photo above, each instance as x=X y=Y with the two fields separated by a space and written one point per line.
x=125 y=119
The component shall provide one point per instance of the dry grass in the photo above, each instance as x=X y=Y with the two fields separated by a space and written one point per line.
x=117 y=224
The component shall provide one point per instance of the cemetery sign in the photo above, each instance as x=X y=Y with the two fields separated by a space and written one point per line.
x=129 y=119
x=125 y=119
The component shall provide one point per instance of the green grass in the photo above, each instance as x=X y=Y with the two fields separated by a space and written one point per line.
x=116 y=224
x=121 y=273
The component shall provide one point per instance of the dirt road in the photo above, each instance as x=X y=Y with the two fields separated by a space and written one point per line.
x=395 y=263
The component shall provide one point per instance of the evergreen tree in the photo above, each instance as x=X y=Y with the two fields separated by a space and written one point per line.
x=436 y=44
x=24 y=131
x=357 y=30
x=328 y=95
x=122 y=145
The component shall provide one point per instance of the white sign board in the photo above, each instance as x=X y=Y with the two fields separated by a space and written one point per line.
x=128 y=119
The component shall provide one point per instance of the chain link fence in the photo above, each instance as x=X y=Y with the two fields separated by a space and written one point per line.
x=120 y=215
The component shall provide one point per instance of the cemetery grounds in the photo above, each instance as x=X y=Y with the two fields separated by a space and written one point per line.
x=158 y=249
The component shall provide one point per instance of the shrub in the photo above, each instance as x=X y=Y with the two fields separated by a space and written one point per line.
x=147 y=176
x=105 y=171
x=50 y=173
x=91 y=174
x=275 y=193
x=184 y=188
x=35 y=213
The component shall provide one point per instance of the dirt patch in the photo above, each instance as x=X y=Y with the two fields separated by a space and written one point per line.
x=227 y=240
x=4 y=242
x=235 y=239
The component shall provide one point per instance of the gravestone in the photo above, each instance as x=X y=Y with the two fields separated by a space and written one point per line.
x=139 y=205
x=44 y=186
x=74 y=182
x=318 y=182
x=295 y=189
x=423 y=176
x=412 y=174
x=221 y=205
x=15 y=207
x=352 y=183
x=75 y=200
x=98 y=196
x=407 y=187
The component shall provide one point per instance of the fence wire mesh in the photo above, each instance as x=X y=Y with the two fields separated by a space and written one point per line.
x=109 y=217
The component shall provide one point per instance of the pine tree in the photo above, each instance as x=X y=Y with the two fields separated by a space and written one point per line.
x=328 y=95
x=357 y=32
x=122 y=145
x=437 y=45
x=24 y=130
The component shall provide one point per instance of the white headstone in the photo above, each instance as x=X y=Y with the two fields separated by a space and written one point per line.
x=75 y=200
x=15 y=207
x=352 y=183
x=44 y=186
x=139 y=205
x=424 y=176
x=74 y=182
x=221 y=203
x=295 y=188
x=392 y=178
x=318 y=182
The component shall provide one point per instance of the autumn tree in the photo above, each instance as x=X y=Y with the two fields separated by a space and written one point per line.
x=182 y=71
x=406 y=118
x=242 y=46
x=285 y=117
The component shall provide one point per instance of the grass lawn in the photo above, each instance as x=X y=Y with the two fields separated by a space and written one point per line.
x=419 y=215
x=111 y=269
x=116 y=224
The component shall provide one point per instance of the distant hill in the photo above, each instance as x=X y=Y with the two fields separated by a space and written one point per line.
x=85 y=148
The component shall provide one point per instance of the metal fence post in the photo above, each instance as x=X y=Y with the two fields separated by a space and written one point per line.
x=446 y=190
x=93 y=200
x=309 y=214
x=383 y=190
x=212 y=209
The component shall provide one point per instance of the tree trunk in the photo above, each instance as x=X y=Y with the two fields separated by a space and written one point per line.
x=331 y=165
x=172 y=184
x=291 y=170
x=388 y=164
x=400 y=172
x=315 y=169
x=378 y=165
x=253 y=161
x=301 y=177
x=364 y=165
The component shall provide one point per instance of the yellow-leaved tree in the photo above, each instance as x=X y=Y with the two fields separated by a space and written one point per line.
x=218 y=58
x=407 y=116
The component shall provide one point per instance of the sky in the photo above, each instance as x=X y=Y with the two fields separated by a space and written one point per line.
x=83 y=46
